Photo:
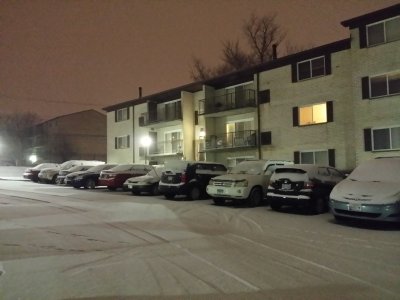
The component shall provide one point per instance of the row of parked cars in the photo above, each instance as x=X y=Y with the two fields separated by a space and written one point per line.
x=371 y=191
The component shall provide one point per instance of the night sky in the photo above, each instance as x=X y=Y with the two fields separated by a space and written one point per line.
x=59 y=57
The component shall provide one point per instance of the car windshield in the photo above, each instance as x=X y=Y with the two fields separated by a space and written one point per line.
x=100 y=168
x=75 y=169
x=248 y=167
x=377 y=170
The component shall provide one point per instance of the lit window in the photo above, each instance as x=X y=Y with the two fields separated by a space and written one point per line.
x=383 y=85
x=311 y=68
x=121 y=114
x=313 y=114
x=386 y=138
x=384 y=32
x=315 y=157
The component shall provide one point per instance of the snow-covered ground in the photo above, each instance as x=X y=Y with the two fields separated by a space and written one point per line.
x=14 y=173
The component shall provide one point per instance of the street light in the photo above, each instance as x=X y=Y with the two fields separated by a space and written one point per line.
x=33 y=158
x=146 y=142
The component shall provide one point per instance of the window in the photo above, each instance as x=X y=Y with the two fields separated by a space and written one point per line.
x=384 y=85
x=173 y=141
x=321 y=157
x=313 y=114
x=315 y=157
x=386 y=138
x=122 y=114
x=311 y=68
x=383 y=32
x=122 y=142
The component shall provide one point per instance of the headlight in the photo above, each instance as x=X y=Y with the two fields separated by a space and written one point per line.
x=241 y=183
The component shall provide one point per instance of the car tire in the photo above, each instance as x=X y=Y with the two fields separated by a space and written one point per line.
x=340 y=219
x=90 y=184
x=255 y=197
x=136 y=193
x=154 y=190
x=54 y=179
x=194 y=193
x=319 y=205
x=275 y=205
x=219 y=201
x=169 y=196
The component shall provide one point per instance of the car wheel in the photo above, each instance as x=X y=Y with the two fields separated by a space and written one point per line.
x=195 y=193
x=136 y=193
x=154 y=190
x=90 y=184
x=111 y=188
x=54 y=179
x=169 y=196
x=255 y=197
x=319 y=206
x=275 y=205
x=219 y=201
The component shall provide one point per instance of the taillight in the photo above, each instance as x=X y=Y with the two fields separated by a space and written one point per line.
x=308 y=185
x=183 y=177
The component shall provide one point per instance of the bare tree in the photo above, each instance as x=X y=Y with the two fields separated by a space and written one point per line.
x=261 y=33
x=16 y=131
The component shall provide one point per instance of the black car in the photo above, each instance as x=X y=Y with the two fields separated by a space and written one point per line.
x=188 y=178
x=303 y=185
x=89 y=179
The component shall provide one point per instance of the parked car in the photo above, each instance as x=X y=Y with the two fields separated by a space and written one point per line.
x=370 y=192
x=87 y=179
x=115 y=177
x=49 y=175
x=62 y=174
x=246 y=182
x=147 y=183
x=303 y=185
x=188 y=178
x=33 y=173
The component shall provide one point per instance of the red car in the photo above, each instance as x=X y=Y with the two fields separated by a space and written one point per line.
x=32 y=173
x=115 y=177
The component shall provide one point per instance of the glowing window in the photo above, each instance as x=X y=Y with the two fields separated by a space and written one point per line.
x=313 y=114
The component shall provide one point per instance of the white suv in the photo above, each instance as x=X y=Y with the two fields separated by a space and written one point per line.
x=246 y=182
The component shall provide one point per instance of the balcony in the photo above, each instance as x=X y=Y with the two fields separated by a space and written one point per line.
x=166 y=148
x=231 y=140
x=171 y=113
x=219 y=104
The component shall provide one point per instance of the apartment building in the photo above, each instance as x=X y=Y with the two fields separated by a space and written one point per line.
x=336 y=104
x=80 y=135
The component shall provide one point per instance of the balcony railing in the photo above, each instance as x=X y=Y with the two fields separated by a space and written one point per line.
x=238 y=139
x=169 y=113
x=166 y=147
x=241 y=99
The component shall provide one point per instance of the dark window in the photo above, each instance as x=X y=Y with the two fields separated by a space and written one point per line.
x=264 y=97
x=386 y=138
x=383 y=32
x=384 y=85
x=311 y=68
x=266 y=138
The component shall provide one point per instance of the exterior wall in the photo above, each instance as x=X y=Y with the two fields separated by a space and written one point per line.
x=276 y=116
x=139 y=132
x=80 y=135
x=188 y=105
x=378 y=112
x=116 y=129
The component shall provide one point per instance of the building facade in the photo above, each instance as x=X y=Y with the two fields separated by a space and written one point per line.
x=336 y=104
x=80 y=135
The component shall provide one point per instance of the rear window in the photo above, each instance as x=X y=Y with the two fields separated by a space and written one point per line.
x=290 y=170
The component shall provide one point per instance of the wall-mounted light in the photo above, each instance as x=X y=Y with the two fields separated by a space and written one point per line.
x=202 y=133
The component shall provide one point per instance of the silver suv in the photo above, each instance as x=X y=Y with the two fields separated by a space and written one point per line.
x=246 y=182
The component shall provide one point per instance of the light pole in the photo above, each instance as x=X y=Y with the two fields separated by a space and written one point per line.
x=145 y=142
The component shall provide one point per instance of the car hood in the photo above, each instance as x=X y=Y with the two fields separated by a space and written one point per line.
x=50 y=170
x=366 y=192
x=142 y=179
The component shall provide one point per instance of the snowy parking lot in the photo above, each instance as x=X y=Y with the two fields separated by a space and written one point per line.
x=63 y=243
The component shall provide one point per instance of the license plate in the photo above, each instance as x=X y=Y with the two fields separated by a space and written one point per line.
x=286 y=186
x=169 y=178
x=220 y=191
x=355 y=207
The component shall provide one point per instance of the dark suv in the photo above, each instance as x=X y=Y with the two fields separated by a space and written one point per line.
x=303 y=185
x=188 y=178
